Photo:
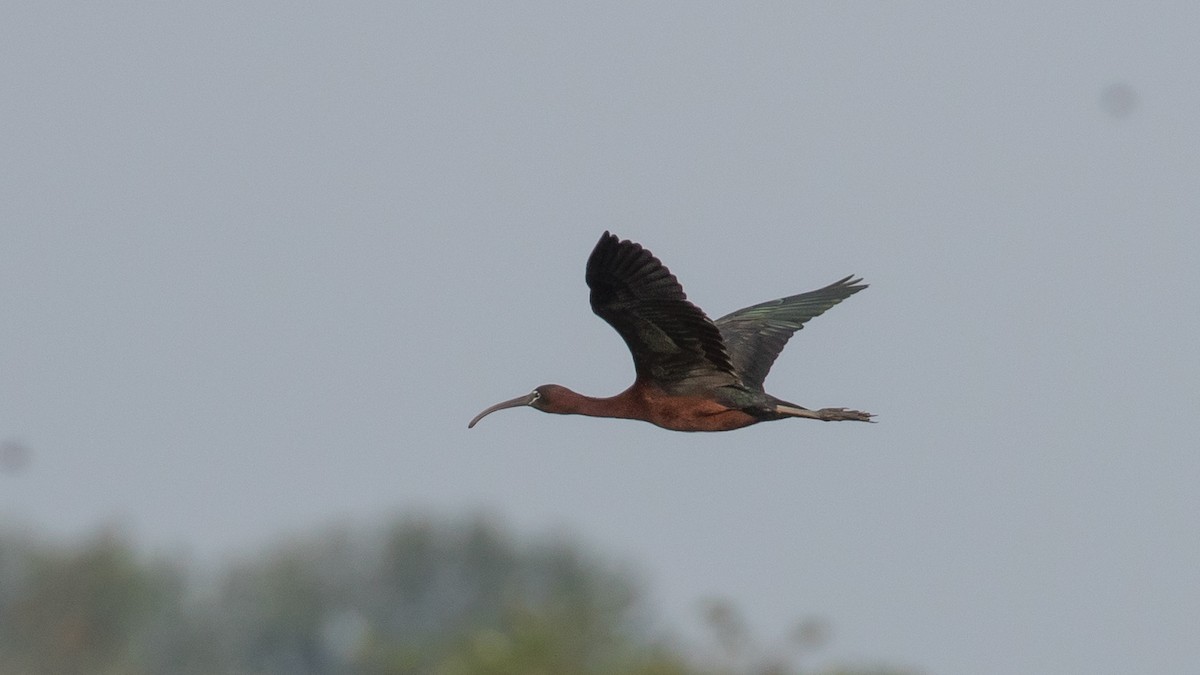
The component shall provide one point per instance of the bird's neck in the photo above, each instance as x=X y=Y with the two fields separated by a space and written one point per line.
x=622 y=405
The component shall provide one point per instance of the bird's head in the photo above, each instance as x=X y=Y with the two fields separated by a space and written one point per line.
x=545 y=398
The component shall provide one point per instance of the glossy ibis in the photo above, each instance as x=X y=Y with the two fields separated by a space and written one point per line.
x=693 y=374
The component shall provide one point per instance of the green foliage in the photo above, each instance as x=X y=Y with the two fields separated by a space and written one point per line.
x=86 y=609
x=415 y=597
x=419 y=598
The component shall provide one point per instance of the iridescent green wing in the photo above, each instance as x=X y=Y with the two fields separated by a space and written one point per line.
x=755 y=335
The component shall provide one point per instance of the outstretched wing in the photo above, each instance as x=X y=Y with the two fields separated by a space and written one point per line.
x=755 y=335
x=671 y=340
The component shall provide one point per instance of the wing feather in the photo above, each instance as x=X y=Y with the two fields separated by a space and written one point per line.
x=757 y=334
x=671 y=340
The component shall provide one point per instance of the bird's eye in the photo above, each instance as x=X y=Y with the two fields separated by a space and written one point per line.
x=536 y=395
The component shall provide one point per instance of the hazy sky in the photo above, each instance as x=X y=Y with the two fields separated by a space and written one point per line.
x=260 y=264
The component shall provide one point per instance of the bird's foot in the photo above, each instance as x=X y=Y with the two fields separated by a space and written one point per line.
x=842 y=415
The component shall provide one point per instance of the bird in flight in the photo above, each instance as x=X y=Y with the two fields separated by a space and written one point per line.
x=693 y=374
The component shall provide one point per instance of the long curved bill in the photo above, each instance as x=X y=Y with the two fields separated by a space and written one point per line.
x=517 y=402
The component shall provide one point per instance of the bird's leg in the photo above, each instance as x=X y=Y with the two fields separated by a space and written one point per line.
x=824 y=414
x=842 y=414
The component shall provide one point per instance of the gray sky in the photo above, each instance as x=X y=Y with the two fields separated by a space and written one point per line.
x=259 y=265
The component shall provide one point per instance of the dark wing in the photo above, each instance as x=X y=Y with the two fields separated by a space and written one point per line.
x=671 y=340
x=755 y=335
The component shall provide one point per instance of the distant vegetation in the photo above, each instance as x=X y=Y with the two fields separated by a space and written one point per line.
x=415 y=597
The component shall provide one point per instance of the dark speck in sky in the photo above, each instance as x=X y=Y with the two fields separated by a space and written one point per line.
x=1120 y=100
x=14 y=457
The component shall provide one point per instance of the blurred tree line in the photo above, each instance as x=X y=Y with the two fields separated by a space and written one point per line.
x=414 y=597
